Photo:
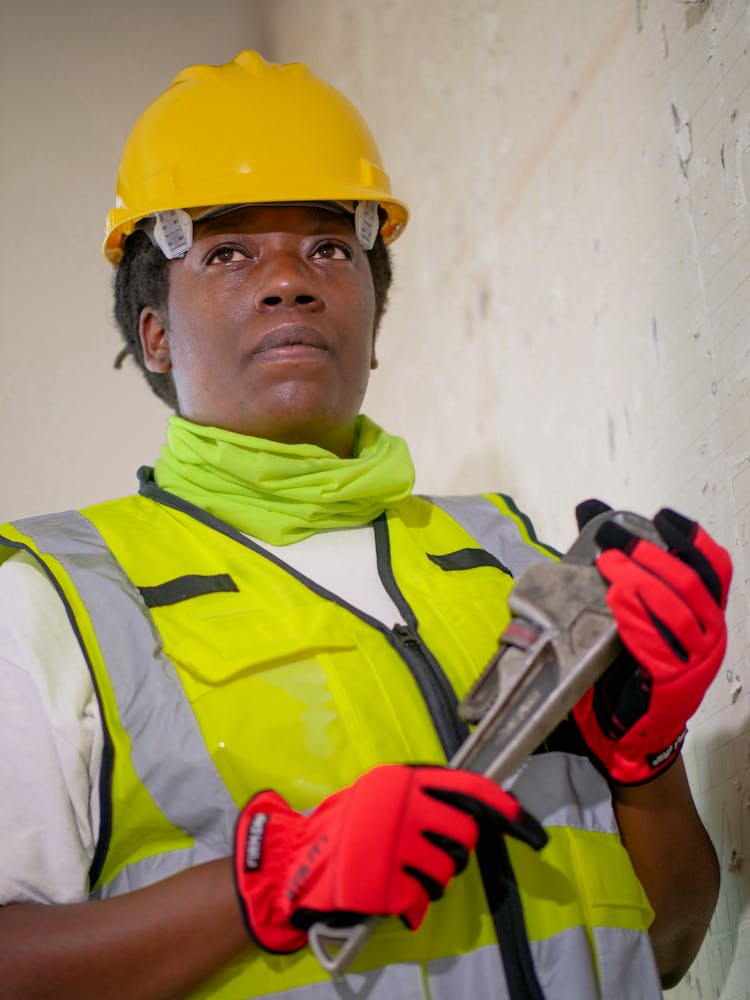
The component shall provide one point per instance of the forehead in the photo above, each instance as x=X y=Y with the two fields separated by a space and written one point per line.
x=303 y=219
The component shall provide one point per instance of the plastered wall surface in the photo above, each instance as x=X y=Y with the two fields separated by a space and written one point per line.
x=570 y=315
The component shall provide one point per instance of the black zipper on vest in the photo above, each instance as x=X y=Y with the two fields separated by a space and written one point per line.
x=435 y=688
x=433 y=685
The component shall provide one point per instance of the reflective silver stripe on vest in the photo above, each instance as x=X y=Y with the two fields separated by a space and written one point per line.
x=495 y=532
x=626 y=966
x=621 y=949
x=561 y=789
x=564 y=968
x=150 y=699
x=477 y=975
x=563 y=964
x=404 y=981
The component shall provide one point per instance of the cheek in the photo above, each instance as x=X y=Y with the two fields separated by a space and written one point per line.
x=193 y=364
x=362 y=310
x=362 y=342
x=194 y=332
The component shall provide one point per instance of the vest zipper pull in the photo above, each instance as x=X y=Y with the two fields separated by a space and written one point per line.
x=406 y=636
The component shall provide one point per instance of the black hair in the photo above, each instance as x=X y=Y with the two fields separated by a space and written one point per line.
x=142 y=279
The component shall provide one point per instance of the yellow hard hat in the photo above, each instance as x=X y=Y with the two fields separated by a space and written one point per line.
x=247 y=132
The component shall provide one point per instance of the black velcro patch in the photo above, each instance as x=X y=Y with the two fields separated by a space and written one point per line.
x=468 y=559
x=183 y=588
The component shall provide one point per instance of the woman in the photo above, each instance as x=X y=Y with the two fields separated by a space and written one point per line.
x=241 y=705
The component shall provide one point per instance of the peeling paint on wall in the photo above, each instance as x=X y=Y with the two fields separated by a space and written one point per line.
x=683 y=139
x=695 y=12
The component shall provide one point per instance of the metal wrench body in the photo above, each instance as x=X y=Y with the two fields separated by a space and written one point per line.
x=561 y=639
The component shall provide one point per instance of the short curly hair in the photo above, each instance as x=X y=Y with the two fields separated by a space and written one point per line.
x=142 y=279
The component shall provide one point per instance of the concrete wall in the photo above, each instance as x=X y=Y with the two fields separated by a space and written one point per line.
x=571 y=310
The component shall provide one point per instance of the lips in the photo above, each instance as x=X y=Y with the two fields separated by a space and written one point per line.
x=290 y=337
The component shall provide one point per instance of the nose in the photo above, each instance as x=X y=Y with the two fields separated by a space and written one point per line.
x=284 y=281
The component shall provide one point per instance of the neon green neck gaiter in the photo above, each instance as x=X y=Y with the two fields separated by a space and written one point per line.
x=282 y=493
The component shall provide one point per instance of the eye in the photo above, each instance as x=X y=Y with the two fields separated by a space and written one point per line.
x=328 y=250
x=226 y=255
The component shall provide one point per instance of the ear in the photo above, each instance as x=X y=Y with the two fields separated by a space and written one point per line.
x=152 y=329
x=373 y=357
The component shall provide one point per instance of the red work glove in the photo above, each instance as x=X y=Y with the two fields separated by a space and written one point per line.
x=669 y=609
x=385 y=846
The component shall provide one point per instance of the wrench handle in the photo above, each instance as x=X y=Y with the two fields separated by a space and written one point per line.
x=337 y=947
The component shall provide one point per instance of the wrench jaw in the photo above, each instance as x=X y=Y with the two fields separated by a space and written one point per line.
x=560 y=640
x=505 y=671
x=504 y=726
x=524 y=693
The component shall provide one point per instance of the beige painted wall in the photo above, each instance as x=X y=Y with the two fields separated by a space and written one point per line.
x=74 y=76
x=571 y=310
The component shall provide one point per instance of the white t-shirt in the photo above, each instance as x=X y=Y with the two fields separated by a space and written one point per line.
x=51 y=735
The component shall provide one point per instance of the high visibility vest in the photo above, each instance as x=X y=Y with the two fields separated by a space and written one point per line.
x=221 y=671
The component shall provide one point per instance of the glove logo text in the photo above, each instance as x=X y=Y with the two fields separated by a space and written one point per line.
x=656 y=760
x=255 y=833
